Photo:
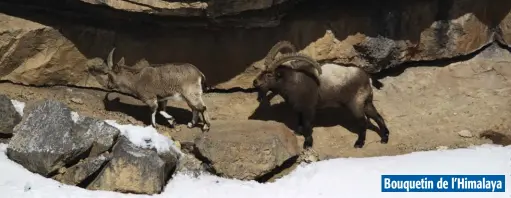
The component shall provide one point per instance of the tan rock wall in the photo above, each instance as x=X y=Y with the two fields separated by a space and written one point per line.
x=373 y=37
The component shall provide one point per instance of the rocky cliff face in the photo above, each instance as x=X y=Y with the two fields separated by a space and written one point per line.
x=50 y=42
x=206 y=9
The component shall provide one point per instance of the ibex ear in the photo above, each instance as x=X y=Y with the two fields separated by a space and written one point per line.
x=121 y=62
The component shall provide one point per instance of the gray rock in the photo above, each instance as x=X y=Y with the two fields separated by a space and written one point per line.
x=44 y=140
x=378 y=51
x=82 y=170
x=189 y=164
x=249 y=149
x=135 y=170
x=4 y=140
x=9 y=117
x=96 y=133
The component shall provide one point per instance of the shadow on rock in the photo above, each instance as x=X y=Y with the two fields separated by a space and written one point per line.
x=142 y=112
x=496 y=137
x=327 y=117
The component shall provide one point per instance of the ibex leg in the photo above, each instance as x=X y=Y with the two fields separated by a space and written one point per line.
x=153 y=105
x=162 y=107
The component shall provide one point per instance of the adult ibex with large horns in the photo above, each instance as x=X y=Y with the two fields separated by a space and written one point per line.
x=306 y=86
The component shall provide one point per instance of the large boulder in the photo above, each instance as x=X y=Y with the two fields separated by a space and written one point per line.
x=247 y=149
x=32 y=51
x=43 y=141
x=9 y=117
x=50 y=136
x=133 y=169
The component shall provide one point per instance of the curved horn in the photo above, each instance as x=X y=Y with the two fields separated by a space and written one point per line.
x=294 y=57
x=110 y=61
x=270 y=57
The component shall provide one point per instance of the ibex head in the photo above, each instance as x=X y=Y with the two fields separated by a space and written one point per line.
x=270 y=77
x=120 y=73
x=267 y=77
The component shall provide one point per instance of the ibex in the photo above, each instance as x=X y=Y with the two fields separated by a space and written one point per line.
x=307 y=86
x=154 y=85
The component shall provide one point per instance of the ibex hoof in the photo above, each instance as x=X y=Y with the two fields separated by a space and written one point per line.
x=205 y=128
x=172 y=123
x=190 y=125
x=384 y=140
x=359 y=144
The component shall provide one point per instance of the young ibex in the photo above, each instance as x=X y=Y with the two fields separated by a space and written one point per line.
x=155 y=85
x=306 y=86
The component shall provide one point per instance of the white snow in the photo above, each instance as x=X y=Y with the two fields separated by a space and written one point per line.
x=75 y=116
x=19 y=106
x=344 y=177
x=146 y=137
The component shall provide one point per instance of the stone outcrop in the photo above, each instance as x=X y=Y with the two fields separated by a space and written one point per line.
x=44 y=140
x=206 y=9
x=55 y=142
x=9 y=117
x=247 y=149
x=50 y=137
x=155 y=7
x=42 y=48
x=135 y=170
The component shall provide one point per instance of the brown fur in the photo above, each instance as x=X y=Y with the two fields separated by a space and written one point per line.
x=347 y=86
x=151 y=82
x=155 y=85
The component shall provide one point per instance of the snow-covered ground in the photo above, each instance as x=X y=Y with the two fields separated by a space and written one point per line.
x=350 y=177
x=343 y=177
x=145 y=137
